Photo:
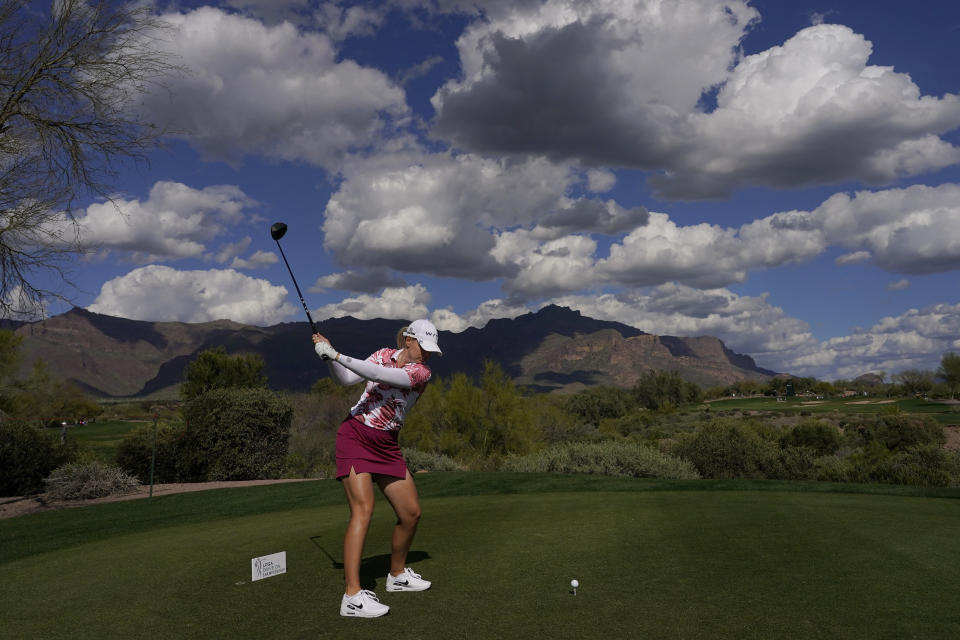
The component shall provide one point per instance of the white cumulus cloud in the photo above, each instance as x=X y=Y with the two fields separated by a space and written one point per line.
x=259 y=259
x=898 y=285
x=403 y=303
x=448 y=320
x=275 y=91
x=812 y=110
x=600 y=180
x=440 y=213
x=909 y=230
x=159 y=293
x=363 y=281
x=175 y=221
x=916 y=339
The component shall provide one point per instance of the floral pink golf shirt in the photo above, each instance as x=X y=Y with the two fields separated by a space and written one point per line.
x=384 y=407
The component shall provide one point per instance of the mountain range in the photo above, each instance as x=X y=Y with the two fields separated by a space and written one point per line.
x=554 y=349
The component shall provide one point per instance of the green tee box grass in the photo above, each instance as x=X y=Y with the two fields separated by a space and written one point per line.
x=655 y=559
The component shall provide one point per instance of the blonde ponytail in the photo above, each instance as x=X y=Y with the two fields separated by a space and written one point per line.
x=401 y=337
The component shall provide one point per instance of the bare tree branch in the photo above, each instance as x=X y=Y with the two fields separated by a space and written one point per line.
x=68 y=83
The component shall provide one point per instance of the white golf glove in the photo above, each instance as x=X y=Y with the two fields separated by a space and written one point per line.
x=325 y=350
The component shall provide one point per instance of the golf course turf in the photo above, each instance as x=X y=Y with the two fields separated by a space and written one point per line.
x=655 y=559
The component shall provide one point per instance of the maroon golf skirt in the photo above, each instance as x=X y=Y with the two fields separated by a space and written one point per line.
x=368 y=450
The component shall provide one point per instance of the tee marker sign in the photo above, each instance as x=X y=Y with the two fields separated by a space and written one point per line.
x=268 y=566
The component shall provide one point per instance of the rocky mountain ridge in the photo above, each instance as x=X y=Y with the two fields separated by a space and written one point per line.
x=554 y=349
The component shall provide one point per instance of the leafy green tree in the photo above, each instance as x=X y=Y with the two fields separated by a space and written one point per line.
x=507 y=423
x=461 y=432
x=36 y=395
x=27 y=455
x=235 y=434
x=425 y=424
x=461 y=419
x=915 y=381
x=804 y=385
x=9 y=364
x=137 y=455
x=214 y=369
x=9 y=353
x=824 y=389
x=717 y=391
x=949 y=372
x=747 y=387
x=598 y=403
x=662 y=389
x=47 y=398
x=28 y=452
x=554 y=422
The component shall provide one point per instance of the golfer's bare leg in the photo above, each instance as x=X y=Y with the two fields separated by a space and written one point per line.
x=359 y=490
x=403 y=497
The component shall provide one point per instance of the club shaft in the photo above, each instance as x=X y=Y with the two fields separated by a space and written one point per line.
x=313 y=327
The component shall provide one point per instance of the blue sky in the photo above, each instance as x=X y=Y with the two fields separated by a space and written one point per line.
x=784 y=176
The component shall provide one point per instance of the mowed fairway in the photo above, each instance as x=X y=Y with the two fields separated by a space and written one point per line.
x=654 y=559
x=102 y=438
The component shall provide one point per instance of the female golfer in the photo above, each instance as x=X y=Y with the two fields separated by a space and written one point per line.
x=368 y=452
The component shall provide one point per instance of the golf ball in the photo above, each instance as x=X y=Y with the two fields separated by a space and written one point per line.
x=574 y=583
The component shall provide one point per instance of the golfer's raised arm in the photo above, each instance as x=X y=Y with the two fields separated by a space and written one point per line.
x=341 y=366
x=343 y=375
x=374 y=372
x=326 y=351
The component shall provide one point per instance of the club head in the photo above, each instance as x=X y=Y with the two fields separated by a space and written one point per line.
x=277 y=230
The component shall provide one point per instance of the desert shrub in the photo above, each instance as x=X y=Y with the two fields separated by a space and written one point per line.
x=611 y=458
x=831 y=469
x=820 y=436
x=86 y=480
x=921 y=465
x=135 y=453
x=862 y=462
x=953 y=463
x=311 y=448
x=426 y=461
x=598 y=403
x=795 y=463
x=898 y=431
x=235 y=434
x=27 y=455
x=639 y=421
x=296 y=465
x=556 y=423
x=727 y=448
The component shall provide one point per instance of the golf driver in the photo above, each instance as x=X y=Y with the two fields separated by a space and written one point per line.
x=277 y=231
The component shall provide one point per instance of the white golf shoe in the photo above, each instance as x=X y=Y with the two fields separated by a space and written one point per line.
x=363 y=604
x=407 y=581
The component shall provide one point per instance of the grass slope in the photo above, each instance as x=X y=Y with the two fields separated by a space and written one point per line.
x=943 y=413
x=655 y=559
x=102 y=438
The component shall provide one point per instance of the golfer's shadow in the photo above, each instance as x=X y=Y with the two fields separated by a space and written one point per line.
x=373 y=568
